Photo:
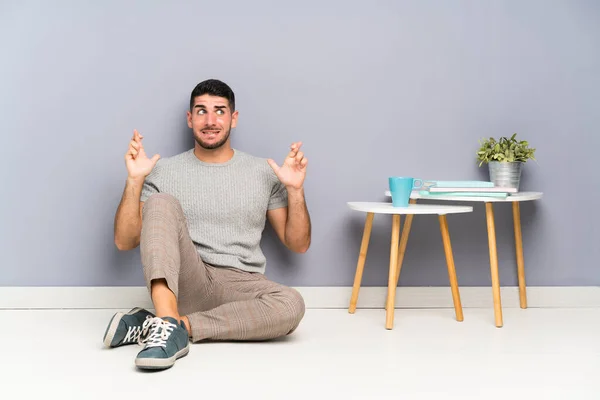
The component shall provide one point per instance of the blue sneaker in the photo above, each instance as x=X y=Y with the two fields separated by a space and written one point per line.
x=166 y=342
x=128 y=328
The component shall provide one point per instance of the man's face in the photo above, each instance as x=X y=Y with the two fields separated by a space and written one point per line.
x=211 y=120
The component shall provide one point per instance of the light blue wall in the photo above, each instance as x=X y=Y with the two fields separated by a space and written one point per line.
x=372 y=88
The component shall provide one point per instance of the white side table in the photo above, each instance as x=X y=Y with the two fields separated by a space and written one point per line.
x=515 y=199
x=398 y=248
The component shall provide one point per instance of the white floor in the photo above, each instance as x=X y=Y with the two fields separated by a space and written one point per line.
x=538 y=354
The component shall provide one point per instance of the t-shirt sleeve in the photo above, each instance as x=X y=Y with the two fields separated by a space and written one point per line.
x=151 y=185
x=279 y=195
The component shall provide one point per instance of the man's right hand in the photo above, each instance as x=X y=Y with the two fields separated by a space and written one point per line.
x=137 y=162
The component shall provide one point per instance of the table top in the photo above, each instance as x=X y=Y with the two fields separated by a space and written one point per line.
x=520 y=196
x=387 y=208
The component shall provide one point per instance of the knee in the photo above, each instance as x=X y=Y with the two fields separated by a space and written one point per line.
x=162 y=202
x=295 y=309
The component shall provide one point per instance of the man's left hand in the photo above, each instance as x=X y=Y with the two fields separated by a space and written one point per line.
x=293 y=170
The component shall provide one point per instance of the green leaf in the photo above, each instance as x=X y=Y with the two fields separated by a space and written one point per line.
x=504 y=149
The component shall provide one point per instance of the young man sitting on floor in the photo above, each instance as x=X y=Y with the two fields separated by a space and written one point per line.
x=198 y=217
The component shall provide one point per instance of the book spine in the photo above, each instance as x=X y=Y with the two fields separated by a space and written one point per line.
x=462 y=184
x=473 y=189
x=426 y=193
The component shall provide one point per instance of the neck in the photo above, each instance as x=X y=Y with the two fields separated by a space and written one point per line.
x=220 y=155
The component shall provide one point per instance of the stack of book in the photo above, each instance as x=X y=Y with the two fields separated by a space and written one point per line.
x=464 y=189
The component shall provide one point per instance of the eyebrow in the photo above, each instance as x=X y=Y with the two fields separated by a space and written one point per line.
x=203 y=106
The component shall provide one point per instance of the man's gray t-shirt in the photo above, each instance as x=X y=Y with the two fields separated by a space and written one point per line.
x=225 y=204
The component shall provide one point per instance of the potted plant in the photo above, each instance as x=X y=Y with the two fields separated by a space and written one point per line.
x=505 y=159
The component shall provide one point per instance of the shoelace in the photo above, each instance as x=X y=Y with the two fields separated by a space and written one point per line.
x=135 y=333
x=160 y=332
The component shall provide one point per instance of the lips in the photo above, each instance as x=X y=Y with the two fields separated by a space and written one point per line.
x=210 y=133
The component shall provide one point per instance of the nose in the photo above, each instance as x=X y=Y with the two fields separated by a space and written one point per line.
x=211 y=119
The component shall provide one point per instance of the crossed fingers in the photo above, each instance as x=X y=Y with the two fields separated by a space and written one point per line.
x=297 y=155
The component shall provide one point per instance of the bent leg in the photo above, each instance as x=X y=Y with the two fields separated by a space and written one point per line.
x=251 y=308
x=175 y=274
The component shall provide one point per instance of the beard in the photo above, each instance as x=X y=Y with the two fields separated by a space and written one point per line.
x=212 y=146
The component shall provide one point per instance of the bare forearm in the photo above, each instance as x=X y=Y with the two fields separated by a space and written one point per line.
x=298 y=227
x=128 y=221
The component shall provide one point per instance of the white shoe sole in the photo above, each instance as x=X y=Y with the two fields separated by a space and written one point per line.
x=162 y=363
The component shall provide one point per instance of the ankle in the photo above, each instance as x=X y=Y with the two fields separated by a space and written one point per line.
x=173 y=315
x=186 y=322
x=165 y=302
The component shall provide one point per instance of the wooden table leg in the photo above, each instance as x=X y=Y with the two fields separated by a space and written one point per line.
x=519 y=251
x=364 y=246
x=391 y=296
x=451 y=267
x=491 y=228
x=404 y=240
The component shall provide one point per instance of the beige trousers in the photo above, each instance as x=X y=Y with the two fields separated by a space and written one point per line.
x=220 y=303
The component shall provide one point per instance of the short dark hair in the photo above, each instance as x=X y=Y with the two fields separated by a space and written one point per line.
x=213 y=87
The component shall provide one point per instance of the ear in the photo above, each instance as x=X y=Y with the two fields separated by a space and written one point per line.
x=189 y=119
x=234 y=118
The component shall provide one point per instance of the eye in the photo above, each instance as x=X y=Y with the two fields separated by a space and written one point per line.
x=220 y=112
x=201 y=111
